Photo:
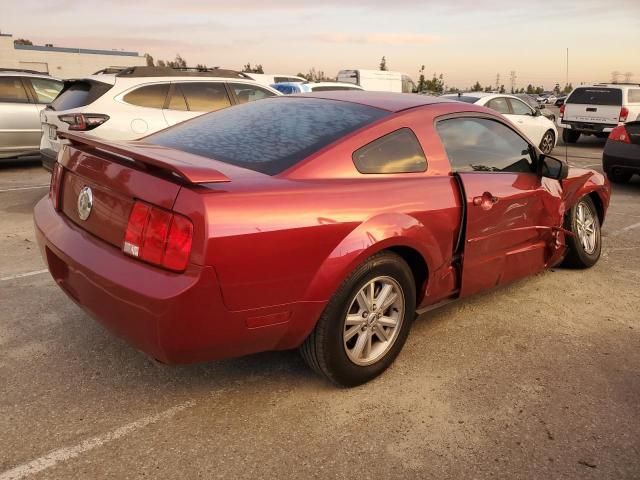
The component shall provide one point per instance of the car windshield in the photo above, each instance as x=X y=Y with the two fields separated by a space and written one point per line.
x=596 y=96
x=270 y=135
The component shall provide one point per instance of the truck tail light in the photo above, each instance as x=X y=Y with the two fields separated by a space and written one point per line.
x=83 y=122
x=54 y=186
x=624 y=113
x=562 y=111
x=619 y=134
x=158 y=237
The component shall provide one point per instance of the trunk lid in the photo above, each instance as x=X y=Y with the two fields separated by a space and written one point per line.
x=118 y=174
x=594 y=105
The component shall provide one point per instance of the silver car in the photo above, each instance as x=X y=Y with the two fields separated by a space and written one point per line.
x=23 y=94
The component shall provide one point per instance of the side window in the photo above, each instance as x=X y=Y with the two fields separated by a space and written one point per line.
x=499 y=104
x=150 y=96
x=46 y=90
x=520 y=108
x=249 y=93
x=205 y=96
x=396 y=152
x=12 y=91
x=634 y=95
x=177 y=101
x=483 y=145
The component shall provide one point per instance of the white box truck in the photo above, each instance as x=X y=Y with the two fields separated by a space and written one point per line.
x=378 y=80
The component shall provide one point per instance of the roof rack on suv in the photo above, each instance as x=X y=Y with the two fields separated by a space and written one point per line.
x=172 y=72
x=22 y=70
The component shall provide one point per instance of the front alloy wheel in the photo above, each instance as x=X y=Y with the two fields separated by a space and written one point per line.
x=548 y=142
x=585 y=245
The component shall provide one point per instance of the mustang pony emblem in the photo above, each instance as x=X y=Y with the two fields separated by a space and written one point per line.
x=85 y=203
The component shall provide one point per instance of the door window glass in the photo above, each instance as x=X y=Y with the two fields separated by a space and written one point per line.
x=499 y=104
x=46 y=90
x=205 y=96
x=520 y=108
x=249 y=93
x=12 y=91
x=483 y=145
x=634 y=95
x=177 y=101
x=150 y=96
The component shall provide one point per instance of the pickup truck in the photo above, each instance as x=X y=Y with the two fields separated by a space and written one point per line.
x=326 y=228
x=598 y=109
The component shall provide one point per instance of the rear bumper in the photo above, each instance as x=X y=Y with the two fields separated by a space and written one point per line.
x=583 y=127
x=174 y=318
x=623 y=156
x=49 y=158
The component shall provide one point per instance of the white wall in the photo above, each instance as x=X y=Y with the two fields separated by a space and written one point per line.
x=61 y=64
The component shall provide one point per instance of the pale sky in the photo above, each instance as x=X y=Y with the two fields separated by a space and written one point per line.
x=466 y=40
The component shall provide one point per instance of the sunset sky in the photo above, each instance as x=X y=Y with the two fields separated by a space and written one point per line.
x=466 y=40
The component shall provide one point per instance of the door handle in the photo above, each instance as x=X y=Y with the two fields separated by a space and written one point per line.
x=486 y=200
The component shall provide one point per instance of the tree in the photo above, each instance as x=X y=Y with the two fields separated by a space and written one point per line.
x=488 y=88
x=201 y=66
x=179 y=62
x=436 y=84
x=315 y=76
x=530 y=89
x=22 y=41
x=161 y=63
x=539 y=90
x=476 y=87
x=383 y=64
x=149 y=60
x=556 y=89
x=567 y=89
x=502 y=90
x=256 y=69
x=421 y=87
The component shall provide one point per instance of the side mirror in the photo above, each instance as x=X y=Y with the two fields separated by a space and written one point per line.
x=554 y=167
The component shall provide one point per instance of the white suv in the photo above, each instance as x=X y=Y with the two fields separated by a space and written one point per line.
x=598 y=109
x=135 y=102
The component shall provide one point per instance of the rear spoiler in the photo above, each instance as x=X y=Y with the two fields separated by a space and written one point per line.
x=188 y=167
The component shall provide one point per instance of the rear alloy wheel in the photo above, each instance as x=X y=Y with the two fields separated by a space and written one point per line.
x=617 y=175
x=570 y=136
x=585 y=246
x=548 y=142
x=365 y=324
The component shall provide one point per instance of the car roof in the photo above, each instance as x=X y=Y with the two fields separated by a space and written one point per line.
x=393 y=102
x=25 y=73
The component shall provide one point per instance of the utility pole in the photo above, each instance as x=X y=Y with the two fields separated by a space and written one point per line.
x=513 y=81
x=567 y=76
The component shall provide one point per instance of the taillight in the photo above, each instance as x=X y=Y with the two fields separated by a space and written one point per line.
x=159 y=237
x=619 y=134
x=54 y=186
x=562 y=111
x=83 y=121
x=624 y=113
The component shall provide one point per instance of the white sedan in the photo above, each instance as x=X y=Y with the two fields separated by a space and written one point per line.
x=530 y=121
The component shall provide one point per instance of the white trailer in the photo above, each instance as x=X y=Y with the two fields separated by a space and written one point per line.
x=378 y=80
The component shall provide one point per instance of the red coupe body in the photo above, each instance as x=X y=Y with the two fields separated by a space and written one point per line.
x=268 y=251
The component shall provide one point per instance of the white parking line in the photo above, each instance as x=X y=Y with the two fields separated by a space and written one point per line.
x=64 y=454
x=20 y=275
x=28 y=187
x=626 y=229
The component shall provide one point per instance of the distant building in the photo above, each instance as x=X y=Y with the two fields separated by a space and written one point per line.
x=63 y=62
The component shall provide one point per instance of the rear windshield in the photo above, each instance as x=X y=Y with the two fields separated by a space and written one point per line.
x=596 y=96
x=79 y=93
x=270 y=135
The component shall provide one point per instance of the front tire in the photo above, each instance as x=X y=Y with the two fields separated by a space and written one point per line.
x=570 y=136
x=365 y=324
x=548 y=142
x=585 y=246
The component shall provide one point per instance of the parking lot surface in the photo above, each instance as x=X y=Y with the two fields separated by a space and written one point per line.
x=540 y=379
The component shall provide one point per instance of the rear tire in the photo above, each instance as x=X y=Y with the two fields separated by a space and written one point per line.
x=570 y=136
x=619 y=176
x=346 y=345
x=585 y=246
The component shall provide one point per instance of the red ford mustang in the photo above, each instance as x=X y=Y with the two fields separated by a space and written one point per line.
x=322 y=222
